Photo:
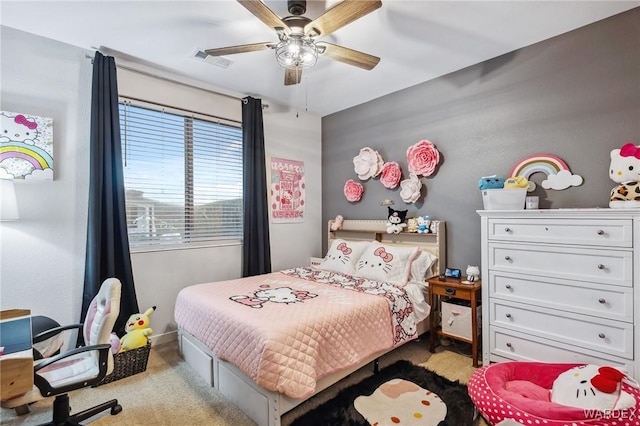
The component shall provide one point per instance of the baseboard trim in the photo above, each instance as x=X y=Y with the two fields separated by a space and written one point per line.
x=160 y=339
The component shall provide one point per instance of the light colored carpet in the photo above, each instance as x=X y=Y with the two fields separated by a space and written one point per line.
x=170 y=393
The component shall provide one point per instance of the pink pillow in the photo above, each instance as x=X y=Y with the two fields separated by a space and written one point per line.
x=528 y=389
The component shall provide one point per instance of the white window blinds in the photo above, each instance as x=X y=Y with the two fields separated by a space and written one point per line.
x=183 y=177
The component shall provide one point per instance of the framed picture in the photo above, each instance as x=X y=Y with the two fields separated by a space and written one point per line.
x=453 y=273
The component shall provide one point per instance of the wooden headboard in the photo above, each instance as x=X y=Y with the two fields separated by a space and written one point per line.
x=369 y=230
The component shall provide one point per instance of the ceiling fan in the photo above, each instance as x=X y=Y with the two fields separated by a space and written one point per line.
x=297 y=48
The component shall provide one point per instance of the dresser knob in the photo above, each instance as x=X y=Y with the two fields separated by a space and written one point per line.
x=600 y=232
x=508 y=344
x=507 y=258
x=508 y=286
x=601 y=300
x=507 y=229
x=600 y=266
x=601 y=335
x=508 y=315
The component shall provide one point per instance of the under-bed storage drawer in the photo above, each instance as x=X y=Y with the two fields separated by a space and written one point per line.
x=197 y=358
x=611 y=233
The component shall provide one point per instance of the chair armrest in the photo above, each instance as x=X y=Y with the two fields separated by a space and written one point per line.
x=40 y=337
x=45 y=387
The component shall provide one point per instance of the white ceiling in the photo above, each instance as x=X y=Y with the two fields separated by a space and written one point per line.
x=416 y=40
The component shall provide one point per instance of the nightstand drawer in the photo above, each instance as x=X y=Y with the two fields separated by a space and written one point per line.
x=598 y=334
x=610 y=232
x=451 y=291
x=595 y=265
x=523 y=347
x=612 y=302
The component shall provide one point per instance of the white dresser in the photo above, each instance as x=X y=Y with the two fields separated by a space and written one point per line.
x=561 y=286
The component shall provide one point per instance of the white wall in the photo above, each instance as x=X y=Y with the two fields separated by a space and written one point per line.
x=42 y=255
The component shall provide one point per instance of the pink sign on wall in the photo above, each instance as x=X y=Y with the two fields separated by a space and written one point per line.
x=287 y=191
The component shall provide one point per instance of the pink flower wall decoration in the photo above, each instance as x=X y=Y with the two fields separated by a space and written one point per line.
x=390 y=175
x=422 y=158
x=353 y=190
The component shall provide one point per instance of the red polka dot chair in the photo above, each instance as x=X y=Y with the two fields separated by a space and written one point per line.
x=521 y=391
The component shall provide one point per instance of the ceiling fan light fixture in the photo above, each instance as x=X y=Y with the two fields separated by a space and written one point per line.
x=297 y=52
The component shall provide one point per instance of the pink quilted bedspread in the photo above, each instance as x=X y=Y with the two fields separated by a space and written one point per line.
x=286 y=332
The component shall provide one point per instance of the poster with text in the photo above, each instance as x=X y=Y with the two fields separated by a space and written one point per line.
x=287 y=191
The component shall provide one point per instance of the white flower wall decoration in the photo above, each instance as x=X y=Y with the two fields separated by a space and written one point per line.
x=368 y=163
x=410 y=189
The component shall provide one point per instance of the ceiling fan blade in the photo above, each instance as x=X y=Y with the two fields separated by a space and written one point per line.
x=292 y=76
x=349 y=56
x=263 y=13
x=339 y=16
x=243 y=48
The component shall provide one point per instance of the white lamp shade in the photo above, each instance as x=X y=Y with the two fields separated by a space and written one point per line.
x=8 y=201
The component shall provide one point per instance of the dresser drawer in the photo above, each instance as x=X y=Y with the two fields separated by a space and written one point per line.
x=612 y=302
x=595 y=265
x=608 y=232
x=508 y=344
x=598 y=334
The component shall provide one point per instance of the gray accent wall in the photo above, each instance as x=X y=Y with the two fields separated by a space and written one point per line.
x=575 y=96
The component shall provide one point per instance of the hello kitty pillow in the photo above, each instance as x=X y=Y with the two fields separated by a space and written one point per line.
x=592 y=386
x=386 y=263
x=343 y=255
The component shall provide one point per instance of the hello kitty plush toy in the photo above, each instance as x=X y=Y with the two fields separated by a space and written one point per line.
x=625 y=170
x=473 y=273
x=593 y=387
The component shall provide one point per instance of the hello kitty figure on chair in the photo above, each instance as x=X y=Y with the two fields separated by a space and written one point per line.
x=625 y=170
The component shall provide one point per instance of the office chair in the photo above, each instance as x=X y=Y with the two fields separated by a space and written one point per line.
x=80 y=367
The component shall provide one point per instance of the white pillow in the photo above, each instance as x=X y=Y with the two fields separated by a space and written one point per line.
x=421 y=266
x=386 y=263
x=343 y=255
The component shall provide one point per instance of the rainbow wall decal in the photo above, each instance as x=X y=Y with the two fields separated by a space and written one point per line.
x=543 y=163
x=557 y=171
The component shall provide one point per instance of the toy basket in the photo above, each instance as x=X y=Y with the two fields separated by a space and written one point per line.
x=128 y=363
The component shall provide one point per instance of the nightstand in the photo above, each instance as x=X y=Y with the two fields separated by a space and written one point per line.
x=453 y=288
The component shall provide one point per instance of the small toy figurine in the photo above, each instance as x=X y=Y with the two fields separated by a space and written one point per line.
x=337 y=223
x=624 y=169
x=412 y=224
x=423 y=224
x=473 y=273
x=396 y=221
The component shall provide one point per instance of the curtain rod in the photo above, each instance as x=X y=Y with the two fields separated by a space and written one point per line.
x=131 y=98
x=148 y=74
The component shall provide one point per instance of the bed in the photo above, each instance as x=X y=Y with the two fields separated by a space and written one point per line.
x=270 y=342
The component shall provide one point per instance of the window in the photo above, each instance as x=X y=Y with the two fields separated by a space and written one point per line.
x=183 y=177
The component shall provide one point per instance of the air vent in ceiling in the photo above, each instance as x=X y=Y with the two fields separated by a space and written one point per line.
x=218 y=61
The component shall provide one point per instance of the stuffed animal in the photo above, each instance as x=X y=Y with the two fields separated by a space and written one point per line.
x=337 y=223
x=412 y=224
x=624 y=169
x=423 y=224
x=395 y=222
x=491 y=182
x=138 y=331
x=593 y=387
x=473 y=273
x=516 y=182
x=115 y=343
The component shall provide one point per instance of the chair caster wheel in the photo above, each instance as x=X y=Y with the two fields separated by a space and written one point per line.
x=115 y=410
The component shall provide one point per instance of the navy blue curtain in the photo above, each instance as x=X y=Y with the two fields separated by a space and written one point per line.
x=256 y=251
x=107 y=240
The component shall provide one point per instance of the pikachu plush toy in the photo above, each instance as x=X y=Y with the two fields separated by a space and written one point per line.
x=138 y=331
